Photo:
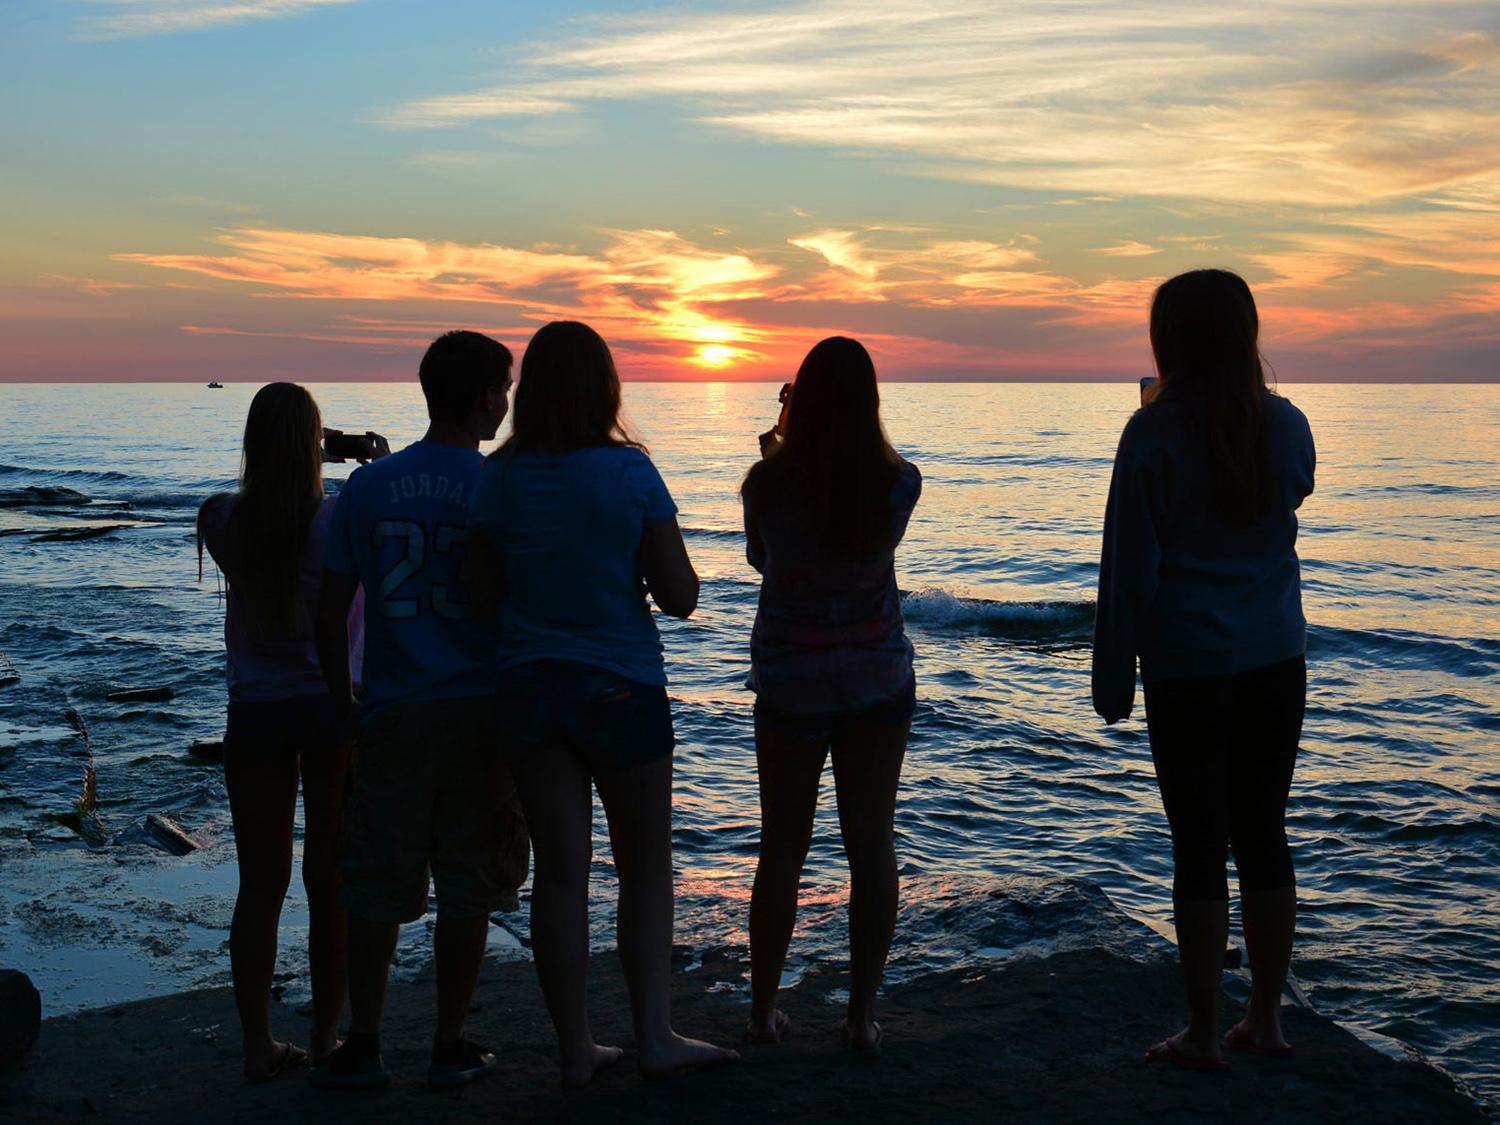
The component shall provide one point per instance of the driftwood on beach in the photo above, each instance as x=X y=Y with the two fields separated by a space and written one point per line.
x=84 y=817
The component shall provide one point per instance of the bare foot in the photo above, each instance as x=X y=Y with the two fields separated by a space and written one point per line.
x=768 y=1031
x=863 y=1039
x=677 y=1054
x=1264 y=1041
x=579 y=1073
x=280 y=1058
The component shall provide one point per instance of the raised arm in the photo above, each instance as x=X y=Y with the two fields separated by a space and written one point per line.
x=668 y=571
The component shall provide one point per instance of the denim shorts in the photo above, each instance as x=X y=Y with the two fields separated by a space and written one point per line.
x=284 y=726
x=612 y=721
x=896 y=711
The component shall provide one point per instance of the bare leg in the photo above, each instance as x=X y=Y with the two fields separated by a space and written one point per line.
x=1270 y=919
x=371 y=945
x=867 y=761
x=789 y=769
x=1202 y=931
x=459 y=953
x=558 y=801
x=638 y=803
x=323 y=773
x=1269 y=727
x=1190 y=723
x=262 y=803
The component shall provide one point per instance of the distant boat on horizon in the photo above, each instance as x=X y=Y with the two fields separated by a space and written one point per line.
x=216 y=386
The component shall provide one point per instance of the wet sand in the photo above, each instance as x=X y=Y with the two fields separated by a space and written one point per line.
x=1048 y=1039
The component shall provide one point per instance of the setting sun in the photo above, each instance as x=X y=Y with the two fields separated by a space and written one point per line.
x=714 y=355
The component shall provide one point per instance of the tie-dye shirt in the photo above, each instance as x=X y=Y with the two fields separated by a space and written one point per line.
x=829 y=637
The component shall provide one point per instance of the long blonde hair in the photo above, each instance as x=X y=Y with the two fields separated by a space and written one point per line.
x=281 y=489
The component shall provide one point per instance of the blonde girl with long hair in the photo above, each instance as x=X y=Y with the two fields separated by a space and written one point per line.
x=267 y=539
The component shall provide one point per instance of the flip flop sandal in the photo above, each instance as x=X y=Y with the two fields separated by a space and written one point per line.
x=1168 y=1052
x=289 y=1058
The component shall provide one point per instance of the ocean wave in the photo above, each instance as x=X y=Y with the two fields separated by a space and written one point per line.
x=85 y=476
x=1400 y=648
x=1052 y=620
x=716 y=534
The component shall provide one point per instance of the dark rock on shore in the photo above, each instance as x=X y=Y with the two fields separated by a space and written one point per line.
x=1056 y=1039
x=207 y=750
x=32 y=495
x=141 y=695
x=77 y=534
x=20 y=1015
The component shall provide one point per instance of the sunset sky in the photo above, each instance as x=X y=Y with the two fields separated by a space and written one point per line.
x=258 y=189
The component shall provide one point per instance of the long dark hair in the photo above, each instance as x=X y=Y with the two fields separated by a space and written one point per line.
x=1204 y=335
x=281 y=488
x=834 y=462
x=569 y=394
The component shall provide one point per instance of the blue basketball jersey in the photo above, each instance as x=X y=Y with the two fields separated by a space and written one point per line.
x=401 y=528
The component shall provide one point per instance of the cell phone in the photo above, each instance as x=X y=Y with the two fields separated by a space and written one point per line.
x=349 y=447
x=1147 y=383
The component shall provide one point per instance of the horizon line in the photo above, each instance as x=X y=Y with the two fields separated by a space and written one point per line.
x=758 y=380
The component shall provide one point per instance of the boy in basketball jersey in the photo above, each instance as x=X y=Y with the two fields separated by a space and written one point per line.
x=427 y=773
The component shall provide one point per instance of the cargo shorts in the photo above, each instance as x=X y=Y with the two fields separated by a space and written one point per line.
x=431 y=796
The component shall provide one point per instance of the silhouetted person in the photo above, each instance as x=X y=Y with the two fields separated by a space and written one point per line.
x=429 y=792
x=1199 y=578
x=267 y=537
x=573 y=528
x=830 y=664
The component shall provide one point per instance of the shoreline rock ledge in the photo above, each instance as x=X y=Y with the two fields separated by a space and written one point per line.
x=1055 y=1039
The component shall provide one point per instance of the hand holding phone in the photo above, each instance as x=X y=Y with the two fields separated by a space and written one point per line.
x=1148 y=388
x=364 y=448
x=772 y=437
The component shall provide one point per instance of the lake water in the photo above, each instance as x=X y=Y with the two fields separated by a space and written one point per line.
x=1011 y=779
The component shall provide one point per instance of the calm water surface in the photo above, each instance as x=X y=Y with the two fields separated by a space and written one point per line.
x=1395 y=814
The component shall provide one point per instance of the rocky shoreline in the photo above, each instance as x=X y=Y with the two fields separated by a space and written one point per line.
x=1056 y=1038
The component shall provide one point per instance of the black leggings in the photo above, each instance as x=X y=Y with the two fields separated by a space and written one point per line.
x=1224 y=748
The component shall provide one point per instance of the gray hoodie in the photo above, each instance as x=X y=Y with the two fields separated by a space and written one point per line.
x=1184 y=589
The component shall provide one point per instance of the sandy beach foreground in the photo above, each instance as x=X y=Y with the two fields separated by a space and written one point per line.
x=1040 y=1039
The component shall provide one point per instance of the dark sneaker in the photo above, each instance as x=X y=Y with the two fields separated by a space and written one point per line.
x=349 y=1068
x=454 y=1064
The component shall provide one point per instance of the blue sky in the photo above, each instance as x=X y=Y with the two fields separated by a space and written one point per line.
x=310 y=188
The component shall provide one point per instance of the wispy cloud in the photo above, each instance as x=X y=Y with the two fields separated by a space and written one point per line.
x=1256 y=103
x=1130 y=248
x=125 y=19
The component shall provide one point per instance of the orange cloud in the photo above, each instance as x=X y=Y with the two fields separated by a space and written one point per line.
x=644 y=284
x=674 y=307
